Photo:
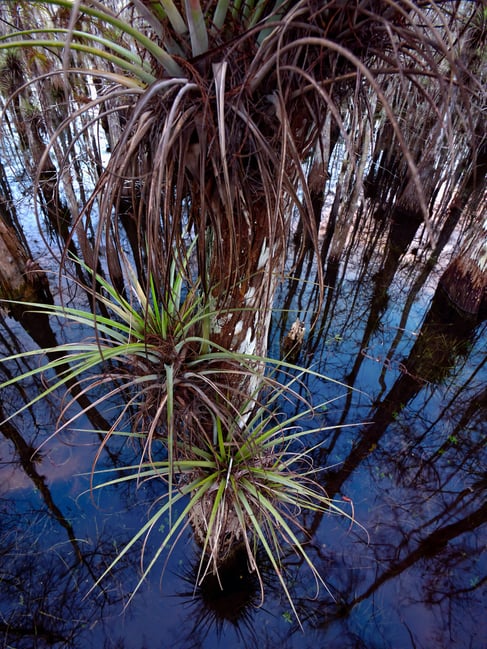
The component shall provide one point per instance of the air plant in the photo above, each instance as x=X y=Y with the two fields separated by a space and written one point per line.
x=141 y=349
x=242 y=490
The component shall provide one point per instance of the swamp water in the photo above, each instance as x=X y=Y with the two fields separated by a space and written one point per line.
x=406 y=451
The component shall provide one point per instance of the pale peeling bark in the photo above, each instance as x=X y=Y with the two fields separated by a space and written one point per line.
x=465 y=279
x=245 y=310
x=244 y=328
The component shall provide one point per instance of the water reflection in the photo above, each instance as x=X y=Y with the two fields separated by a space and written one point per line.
x=415 y=473
x=218 y=601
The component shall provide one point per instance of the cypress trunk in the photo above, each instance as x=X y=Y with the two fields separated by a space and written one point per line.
x=465 y=279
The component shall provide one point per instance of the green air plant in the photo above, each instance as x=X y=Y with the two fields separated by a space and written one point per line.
x=245 y=490
x=141 y=349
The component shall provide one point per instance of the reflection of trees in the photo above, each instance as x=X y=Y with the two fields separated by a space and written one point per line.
x=419 y=466
x=25 y=453
x=425 y=549
x=41 y=599
x=431 y=544
x=442 y=341
x=432 y=566
x=47 y=565
x=464 y=436
x=43 y=580
x=44 y=599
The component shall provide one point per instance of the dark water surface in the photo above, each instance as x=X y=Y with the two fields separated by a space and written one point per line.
x=413 y=466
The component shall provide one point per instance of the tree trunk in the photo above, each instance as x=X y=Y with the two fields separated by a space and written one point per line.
x=21 y=278
x=465 y=279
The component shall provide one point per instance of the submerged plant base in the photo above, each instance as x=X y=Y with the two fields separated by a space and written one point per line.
x=229 y=593
x=229 y=596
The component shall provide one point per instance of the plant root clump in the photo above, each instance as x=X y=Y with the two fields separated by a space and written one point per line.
x=223 y=541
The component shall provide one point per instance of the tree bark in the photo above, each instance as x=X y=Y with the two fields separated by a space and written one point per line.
x=465 y=279
x=22 y=279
